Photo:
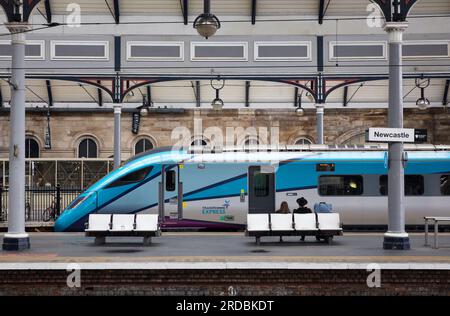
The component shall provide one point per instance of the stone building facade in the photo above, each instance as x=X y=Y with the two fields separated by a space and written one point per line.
x=341 y=126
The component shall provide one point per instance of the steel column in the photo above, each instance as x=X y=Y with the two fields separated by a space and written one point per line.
x=319 y=117
x=396 y=236
x=17 y=238
x=117 y=134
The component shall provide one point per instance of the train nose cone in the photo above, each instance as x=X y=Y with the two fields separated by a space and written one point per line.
x=59 y=223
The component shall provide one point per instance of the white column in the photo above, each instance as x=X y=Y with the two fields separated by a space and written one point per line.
x=17 y=238
x=319 y=116
x=117 y=135
x=396 y=236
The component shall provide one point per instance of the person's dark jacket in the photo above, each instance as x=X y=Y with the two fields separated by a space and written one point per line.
x=303 y=210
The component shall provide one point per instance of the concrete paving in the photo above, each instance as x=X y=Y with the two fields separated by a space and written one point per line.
x=222 y=250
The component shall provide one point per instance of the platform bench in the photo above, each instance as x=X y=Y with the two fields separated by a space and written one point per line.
x=101 y=226
x=324 y=226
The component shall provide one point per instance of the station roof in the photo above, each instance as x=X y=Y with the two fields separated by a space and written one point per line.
x=261 y=93
x=238 y=7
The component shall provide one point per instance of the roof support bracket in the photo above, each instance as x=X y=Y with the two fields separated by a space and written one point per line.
x=49 y=92
x=446 y=89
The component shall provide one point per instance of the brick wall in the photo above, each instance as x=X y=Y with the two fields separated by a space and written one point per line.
x=218 y=282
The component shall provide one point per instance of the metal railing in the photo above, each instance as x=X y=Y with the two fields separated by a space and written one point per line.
x=41 y=204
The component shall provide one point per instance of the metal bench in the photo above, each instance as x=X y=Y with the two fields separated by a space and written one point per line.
x=436 y=220
x=101 y=226
x=322 y=226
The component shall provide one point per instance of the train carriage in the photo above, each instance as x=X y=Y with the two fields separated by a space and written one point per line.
x=204 y=188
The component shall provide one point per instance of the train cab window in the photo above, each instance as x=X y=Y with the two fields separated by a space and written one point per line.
x=414 y=185
x=170 y=180
x=132 y=177
x=261 y=184
x=341 y=185
x=445 y=184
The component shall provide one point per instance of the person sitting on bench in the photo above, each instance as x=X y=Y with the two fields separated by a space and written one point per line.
x=284 y=209
x=302 y=202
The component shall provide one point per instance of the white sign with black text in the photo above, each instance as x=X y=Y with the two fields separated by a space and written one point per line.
x=386 y=135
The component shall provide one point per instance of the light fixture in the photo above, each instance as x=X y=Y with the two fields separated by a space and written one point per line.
x=206 y=23
x=422 y=103
x=217 y=103
x=299 y=110
x=144 y=108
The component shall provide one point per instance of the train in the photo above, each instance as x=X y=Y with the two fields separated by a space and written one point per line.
x=216 y=188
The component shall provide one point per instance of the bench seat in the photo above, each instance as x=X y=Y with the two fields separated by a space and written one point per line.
x=101 y=226
x=322 y=226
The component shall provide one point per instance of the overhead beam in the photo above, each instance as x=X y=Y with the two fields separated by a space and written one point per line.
x=185 y=10
x=49 y=92
x=48 y=11
x=445 y=99
x=345 y=102
x=296 y=97
x=254 y=4
x=117 y=11
x=321 y=11
x=197 y=93
x=247 y=93
x=100 y=94
x=149 y=95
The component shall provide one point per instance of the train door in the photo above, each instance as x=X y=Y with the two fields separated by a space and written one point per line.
x=261 y=189
x=170 y=194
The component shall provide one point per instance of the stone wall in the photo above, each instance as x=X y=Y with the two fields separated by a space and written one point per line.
x=340 y=125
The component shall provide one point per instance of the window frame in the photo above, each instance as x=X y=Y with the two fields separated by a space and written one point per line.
x=96 y=146
x=337 y=176
x=257 y=44
x=119 y=183
x=332 y=44
x=173 y=186
x=179 y=44
x=424 y=43
x=440 y=188
x=230 y=59
x=41 y=43
x=143 y=139
x=405 y=177
x=31 y=138
x=79 y=43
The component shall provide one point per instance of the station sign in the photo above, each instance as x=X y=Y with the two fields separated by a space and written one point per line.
x=388 y=135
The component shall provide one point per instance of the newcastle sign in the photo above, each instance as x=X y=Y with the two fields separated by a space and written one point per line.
x=404 y=135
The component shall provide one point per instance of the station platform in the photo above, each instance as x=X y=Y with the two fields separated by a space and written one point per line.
x=189 y=248
x=192 y=263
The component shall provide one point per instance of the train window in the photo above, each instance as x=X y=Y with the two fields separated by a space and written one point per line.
x=414 y=185
x=261 y=184
x=170 y=180
x=325 y=167
x=341 y=185
x=132 y=177
x=445 y=184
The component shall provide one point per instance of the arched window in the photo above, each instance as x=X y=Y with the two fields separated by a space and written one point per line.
x=31 y=148
x=303 y=141
x=251 y=141
x=87 y=148
x=199 y=142
x=142 y=145
x=359 y=139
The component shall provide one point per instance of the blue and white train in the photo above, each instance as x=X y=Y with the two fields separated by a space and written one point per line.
x=202 y=189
